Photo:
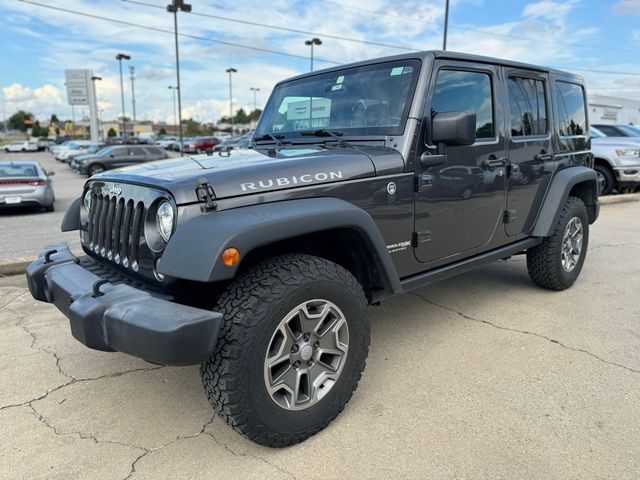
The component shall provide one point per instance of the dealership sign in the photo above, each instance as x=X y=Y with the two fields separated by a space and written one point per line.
x=78 y=84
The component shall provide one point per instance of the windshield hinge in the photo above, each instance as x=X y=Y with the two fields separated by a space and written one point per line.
x=205 y=193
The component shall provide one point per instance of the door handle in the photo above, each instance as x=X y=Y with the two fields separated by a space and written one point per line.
x=493 y=162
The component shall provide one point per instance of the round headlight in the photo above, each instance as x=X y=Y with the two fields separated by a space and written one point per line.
x=164 y=220
x=87 y=200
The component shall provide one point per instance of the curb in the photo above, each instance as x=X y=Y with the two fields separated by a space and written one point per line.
x=14 y=267
x=621 y=198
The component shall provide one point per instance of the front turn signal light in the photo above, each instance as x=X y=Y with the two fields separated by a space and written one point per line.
x=230 y=257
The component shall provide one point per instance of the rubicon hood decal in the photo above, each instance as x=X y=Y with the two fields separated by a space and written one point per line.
x=291 y=181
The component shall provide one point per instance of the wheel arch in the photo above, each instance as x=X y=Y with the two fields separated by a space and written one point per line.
x=581 y=182
x=329 y=228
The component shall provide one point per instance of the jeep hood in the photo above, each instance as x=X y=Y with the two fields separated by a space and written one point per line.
x=246 y=172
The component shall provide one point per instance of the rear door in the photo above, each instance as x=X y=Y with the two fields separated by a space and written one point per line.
x=459 y=204
x=529 y=147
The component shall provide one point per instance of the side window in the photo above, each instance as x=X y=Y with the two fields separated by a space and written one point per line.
x=527 y=106
x=119 y=152
x=571 y=118
x=609 y=131
x=458 y=90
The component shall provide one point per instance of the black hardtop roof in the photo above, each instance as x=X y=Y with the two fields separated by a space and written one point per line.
x=441 y=54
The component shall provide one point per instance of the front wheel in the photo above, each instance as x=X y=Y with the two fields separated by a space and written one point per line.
x=291 y=350
x=556 y=263
x=95 y=169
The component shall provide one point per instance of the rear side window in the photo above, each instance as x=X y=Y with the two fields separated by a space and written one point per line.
x=153 y=151
x=571 y=117
x=527 y=105
x=459 y=91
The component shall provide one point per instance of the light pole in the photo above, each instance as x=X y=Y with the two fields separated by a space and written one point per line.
x=173 y=7
x=120 y=57
x=175 y=116
x=231 y=71
x=93 y=109
x=132 y=71
x=255 y=91
x=446 y=24
x=311 y=43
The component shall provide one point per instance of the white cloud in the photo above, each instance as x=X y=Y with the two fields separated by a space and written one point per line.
x=42 y=101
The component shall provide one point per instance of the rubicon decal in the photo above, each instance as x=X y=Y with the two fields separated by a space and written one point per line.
x=293 y=180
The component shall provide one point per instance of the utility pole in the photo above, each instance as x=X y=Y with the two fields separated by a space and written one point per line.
x=132 y=71
x=173 y=7
x=231 y=71
x=93 y=111
x=120 y=57
x=255 y=103
x=311 y=43
x=175 y=115
x=446 y=24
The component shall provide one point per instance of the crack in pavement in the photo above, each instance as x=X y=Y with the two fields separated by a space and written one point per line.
x=13 y=300
x=526 y=332
x=257 y=457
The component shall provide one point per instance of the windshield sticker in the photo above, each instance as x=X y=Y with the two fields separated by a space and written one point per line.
x=340 y=79
x=396 y=71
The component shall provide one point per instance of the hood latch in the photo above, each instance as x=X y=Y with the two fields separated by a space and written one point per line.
x=205 y=193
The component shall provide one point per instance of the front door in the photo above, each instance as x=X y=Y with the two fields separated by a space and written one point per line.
x=459 y=204
x=529 y=147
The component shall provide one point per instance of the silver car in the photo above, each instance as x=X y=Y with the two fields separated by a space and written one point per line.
x=25 y=183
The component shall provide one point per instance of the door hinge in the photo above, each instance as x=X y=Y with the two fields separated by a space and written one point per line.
x=509 y=216
x=418 y=238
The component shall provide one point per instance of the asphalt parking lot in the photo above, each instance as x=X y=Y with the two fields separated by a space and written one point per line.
x=481 y=376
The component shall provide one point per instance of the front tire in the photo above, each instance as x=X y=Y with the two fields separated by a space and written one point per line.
x=291 y=350
x=95 y=169
x=606 y=180
x=556 y=263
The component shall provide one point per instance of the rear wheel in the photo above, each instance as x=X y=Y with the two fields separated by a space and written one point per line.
x=556 y=263
x=606 y=180
x=291 y=350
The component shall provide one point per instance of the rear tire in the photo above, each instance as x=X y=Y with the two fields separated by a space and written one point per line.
x=246 y=379
x=556 y=263
x=606 y=180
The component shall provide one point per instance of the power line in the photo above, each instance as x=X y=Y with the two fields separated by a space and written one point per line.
x=284 y=29
x=162 y=30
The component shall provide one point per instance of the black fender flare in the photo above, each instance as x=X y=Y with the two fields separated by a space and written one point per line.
x=194 y=250
x=71 y=219
x=559 y=190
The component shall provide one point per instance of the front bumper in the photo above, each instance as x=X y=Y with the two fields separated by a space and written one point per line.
x=628 y=174
x=118 y=317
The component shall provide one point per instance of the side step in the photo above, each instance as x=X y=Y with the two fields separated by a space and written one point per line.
x=451 y=270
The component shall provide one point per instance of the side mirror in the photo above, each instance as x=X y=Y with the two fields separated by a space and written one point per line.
x=111 y=155
x=454 y=128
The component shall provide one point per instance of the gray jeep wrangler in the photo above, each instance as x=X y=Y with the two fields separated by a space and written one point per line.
x=364 y=181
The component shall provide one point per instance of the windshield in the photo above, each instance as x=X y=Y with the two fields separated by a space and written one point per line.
x=630 y=130
x=367 y=100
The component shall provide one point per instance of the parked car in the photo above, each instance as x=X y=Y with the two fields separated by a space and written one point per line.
x=619 y=130
x=116 y=156
x=45 y=144
x=89 y=150
x=77 y=147
x=233 y=144
x=26 y=183
x=165 y=142
x=60 y=151
x=21 y=146
x=617 y=161
x=261 y=267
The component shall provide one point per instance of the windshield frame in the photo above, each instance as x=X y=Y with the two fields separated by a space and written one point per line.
x=275 y=100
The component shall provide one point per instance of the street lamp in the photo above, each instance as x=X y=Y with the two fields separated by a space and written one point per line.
x=231 y=71
x=311 y=43
x=120 y=57
x=255 y=91
x=132 y=71
x=175 y=119
x=173 y=7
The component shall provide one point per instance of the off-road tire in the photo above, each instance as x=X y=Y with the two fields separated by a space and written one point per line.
x=253 y=305
x=544 y=261
x=609 y=181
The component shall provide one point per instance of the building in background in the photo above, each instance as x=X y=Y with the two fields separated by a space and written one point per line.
x=611 y=110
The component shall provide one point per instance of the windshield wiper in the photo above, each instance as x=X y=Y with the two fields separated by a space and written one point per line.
x=325 y=133
x=276 y=137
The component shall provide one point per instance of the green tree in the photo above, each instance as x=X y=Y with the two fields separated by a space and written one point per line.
x=37 y=131
x=20 y=120
x=162 y=131
x=111 y=132
x=241 y=116
x=54 y=120
x=254 y=116
x=191 y=127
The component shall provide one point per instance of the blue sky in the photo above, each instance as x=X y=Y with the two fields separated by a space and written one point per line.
x=39 y=43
